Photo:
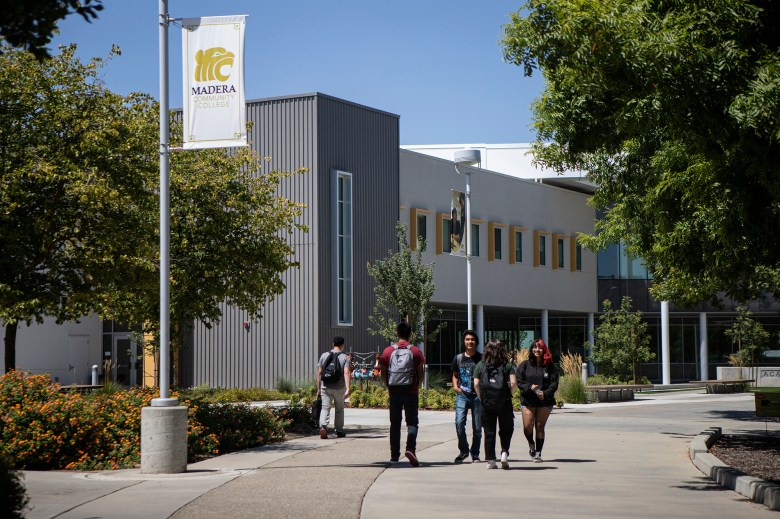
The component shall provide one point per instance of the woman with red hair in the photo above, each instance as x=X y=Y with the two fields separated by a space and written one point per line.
x=537 y=379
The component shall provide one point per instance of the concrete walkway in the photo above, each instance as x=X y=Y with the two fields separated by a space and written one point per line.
x=601 y=460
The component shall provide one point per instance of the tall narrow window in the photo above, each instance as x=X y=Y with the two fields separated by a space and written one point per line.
x=422 y=229
x=474 y=239
x=578 y=255
x=446 y=245
x=344 y=246
x=542 y=250
x=497 y=243
x=560 y=253
x=518 y=246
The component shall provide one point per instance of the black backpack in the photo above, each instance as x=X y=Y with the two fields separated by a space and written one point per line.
x=332 y=372
x=492 y=387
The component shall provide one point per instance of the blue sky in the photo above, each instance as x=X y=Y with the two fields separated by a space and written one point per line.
x=436 y=63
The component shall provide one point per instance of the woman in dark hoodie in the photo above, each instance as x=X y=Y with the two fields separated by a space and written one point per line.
x=537 y=379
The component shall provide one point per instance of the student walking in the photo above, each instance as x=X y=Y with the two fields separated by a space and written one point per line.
x=333 y=376
x=402 y=372
x=463 y=365
x=494 y=381
x=537 y=378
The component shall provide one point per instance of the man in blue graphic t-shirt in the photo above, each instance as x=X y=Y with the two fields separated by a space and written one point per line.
x=463 y=382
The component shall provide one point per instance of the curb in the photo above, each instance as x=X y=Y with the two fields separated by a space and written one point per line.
x=755 y=489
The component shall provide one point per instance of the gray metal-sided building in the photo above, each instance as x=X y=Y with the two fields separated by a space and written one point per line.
x=351 y=192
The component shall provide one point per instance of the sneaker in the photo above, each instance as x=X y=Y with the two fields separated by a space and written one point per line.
x=412 y=457
x=462 y=456
x=491 y=464
x=340 y=434
x=393 y=461
x=475 y=459
x=504 y=460
x=324 y=433
x=531 y=451
x=538 y=457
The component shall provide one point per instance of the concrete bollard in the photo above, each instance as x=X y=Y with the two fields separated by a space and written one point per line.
x=426 y=376
x=95 y=375
x=163 y=440
x=585 y=373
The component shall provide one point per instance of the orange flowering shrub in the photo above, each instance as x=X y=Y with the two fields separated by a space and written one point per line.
x=43 y=428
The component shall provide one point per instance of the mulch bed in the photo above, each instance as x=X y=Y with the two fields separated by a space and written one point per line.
x=757 y=456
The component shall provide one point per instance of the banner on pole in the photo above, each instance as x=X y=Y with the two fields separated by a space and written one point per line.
x=458 y=223
x=213 y=70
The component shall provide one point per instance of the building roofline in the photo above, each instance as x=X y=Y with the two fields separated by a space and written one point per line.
x=325 y=96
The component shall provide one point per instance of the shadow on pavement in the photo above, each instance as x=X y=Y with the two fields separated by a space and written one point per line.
x=703 y=485
x=744 y=416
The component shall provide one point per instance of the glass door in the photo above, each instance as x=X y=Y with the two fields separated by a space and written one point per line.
x=127 y=370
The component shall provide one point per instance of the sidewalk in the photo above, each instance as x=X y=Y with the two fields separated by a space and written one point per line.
x=601 y=460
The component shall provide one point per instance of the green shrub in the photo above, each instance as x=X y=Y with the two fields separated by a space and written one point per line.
x=305 y=396
x=604 y=380
x=438 y=399
x=221 y=395
x=372 y=395
x=299 y=418
x=13 y=500
x=235 y=427
x=572 y=391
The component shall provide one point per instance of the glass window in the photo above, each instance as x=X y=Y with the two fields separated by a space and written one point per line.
x=560 y=253
x=446 y=232
x=422 y=230
x=518 y=246
x=474 y=239
x=542 y=250
x=608 y=264
x=344 y=247
x=497 y=243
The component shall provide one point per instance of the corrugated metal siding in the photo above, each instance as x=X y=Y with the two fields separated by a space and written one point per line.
x=320 y=133
x=365 y=143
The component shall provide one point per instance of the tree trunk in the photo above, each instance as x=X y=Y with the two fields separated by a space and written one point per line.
x=10 y=346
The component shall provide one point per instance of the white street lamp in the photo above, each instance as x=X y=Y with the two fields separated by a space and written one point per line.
x=468 y=158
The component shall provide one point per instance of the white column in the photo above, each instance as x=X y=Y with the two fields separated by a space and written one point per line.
x=665 y=361
x=467 y=232
x=545 y=330
x=591 y=341
x=480 y=327
x=703 y=349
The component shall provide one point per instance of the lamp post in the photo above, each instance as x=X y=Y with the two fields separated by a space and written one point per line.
x=468 y=158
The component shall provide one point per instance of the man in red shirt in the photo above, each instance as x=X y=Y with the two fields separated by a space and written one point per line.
x=402 y=372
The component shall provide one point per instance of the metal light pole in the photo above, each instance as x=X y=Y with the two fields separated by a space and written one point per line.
x=164 y=423
x=164 y=399
x=468 y=158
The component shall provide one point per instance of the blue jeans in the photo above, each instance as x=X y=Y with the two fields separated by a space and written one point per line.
x=463 y=403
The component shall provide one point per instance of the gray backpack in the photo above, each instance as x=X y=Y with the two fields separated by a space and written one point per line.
x=401 y=369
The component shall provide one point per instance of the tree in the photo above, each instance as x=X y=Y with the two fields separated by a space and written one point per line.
x=79 y=210
x=230 y=240
x=673 y=108
x=750 y=336
x=621 y=341
x=75 y=196
x=29 y=24
x=404 y=288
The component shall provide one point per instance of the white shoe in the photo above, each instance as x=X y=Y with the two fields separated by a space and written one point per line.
x=491 y=464
x=504 y=460
x=538 y=457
